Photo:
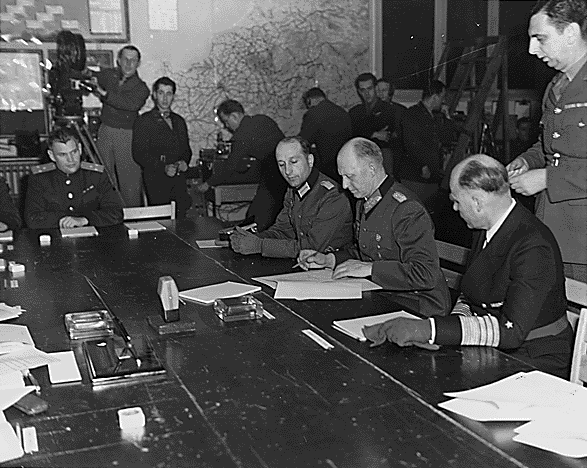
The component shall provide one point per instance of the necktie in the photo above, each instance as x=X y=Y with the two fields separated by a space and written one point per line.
x=559 y=87
x=167 y=118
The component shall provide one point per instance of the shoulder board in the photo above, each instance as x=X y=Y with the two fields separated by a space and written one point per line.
x=327 y=184
x=40 y=168
x=92 y=167
x=400 y=197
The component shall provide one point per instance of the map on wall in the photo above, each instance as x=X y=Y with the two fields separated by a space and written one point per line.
x=274 y=54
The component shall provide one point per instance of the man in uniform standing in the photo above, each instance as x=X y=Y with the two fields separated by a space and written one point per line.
x=69 y=193
x=9 y=216
x=555 y=168
x=394 y=235
x=160 y=145
x=315 y=215
x=328 y=126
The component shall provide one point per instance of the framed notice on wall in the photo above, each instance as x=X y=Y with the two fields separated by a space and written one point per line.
x=96 y=20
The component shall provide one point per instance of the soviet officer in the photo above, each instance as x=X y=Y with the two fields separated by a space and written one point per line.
x=69 y=193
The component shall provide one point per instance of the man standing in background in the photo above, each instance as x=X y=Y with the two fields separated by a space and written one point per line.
x=160 y=144
x=555 y=168
x=123 y=94
x=328 y=126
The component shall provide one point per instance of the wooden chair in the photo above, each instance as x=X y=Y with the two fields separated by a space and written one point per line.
x=150 y=212
x=452 y=254
x=579 y=363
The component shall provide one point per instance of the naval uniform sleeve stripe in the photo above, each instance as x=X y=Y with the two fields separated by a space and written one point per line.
x=479 y=331
x=462 y=308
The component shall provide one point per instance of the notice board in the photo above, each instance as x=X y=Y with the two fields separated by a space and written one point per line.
x=95 y=20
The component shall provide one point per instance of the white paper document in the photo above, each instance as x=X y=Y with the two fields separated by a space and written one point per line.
x=9 y=396
x=10 y=447
x=66 y=370
x=145 y=226
x=9 y=312
x=304 y=290
x=208 y=244
x=86 y=231
x=26 y=357
x=208 y=294
x=15 y=334
x=354 y=327
x=315 y=276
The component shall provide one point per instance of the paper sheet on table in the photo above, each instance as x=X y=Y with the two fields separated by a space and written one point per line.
x=354 y=327
x=208 y=244
x=9 y=396
x=568 y=447
x=533 y=388
x=315 y=276
x=145 y=226
x=9 y=312
x=15 y=334
x=486 y=411
x=208 y=294
x=66 y=370
x=26 y=357
x=12 y=380
x=10 y=447
x=559 y=425
x=304 y=290
x=86 y=231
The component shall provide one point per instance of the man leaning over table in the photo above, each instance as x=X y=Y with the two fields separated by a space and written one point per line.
x=513 y=290
x=394 y=235
x=69 y=193
x=316 y=214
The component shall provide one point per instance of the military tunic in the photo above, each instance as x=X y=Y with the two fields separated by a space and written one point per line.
x=87 y=193
x=562 y=149
x=316 y=216
x=396 y=234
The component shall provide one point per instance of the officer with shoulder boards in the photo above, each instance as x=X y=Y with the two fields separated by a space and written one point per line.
x=67 y=192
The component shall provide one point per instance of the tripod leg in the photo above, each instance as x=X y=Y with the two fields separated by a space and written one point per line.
x=92 y=151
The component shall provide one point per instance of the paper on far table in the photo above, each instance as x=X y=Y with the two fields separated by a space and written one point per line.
x=85 y=231
x=6 y=236
x=315 y=276
x=145 y=226
x=208 y=294
x=354 y=327
x=303 y=290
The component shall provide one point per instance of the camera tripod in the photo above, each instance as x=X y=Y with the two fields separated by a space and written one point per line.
x=77 y=123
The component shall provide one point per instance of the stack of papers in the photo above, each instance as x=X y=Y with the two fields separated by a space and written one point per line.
x=208 y=294
x=354 y=327
x=210 y=244
x=86 y=231
x=18 y=352
x=145 y=226
x=9 y=312
x=556 y=409
x=316 y=284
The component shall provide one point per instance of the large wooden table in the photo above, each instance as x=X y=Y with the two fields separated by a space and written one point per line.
x=246 y=394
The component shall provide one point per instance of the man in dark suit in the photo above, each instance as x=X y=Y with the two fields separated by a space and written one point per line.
x=513 y=291
x=555 y=168
x=9 y=217
x=253 y=138
x=421 y=166
x=373 y=118
x=160 y=145
x=328 y=126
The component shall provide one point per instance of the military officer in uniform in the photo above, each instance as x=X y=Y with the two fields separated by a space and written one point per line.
x=316 y=214
x=555 y=168
x=513 y=291
x=69 y=193
x=394 y=235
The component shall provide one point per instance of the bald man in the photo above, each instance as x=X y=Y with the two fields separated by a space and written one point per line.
x=513 y=291
x=394 y=235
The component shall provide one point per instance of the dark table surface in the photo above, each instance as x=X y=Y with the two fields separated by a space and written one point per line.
x=245 y=394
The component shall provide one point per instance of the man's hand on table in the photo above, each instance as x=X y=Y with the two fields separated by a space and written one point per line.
x=401 y=331
x=73 y=222
x=245 y=243
x=311 y=259
x=353 y=268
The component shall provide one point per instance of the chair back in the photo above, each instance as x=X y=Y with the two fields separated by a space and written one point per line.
x=150 y=212
x=579 y=363
x=453 y=254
